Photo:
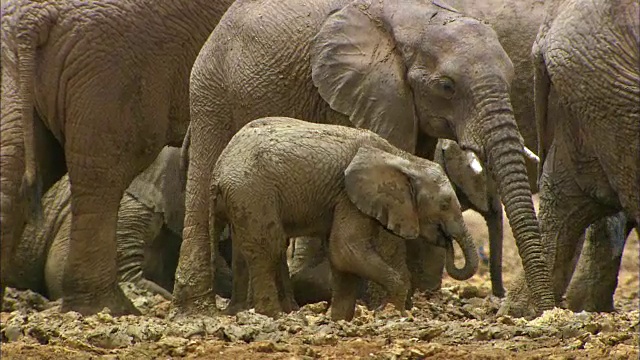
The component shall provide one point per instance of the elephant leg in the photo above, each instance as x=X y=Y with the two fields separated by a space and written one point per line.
x=393 y=251
x=99 y=173
x=351 y=250
x=596 y=277
x=91 y=278
x=14 y=209
x=310 y=271
x=223 y=277
x=496 y=235
x=240 y=283
x=343 y=294
x=285 y=288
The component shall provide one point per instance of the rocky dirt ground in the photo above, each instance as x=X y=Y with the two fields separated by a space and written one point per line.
x=459 y=322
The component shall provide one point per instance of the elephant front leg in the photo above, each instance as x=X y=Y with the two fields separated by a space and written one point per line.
x=351 y=250
x=343 y=294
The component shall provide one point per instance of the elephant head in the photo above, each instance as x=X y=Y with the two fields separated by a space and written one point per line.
x=464 y=170
x=401 y=68
x=412 y=197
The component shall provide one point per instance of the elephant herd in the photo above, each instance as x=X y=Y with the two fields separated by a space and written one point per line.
x=184 y=145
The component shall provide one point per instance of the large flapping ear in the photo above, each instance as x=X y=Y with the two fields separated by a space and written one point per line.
x=378 y=184
x=159 y=187
x=359 y=72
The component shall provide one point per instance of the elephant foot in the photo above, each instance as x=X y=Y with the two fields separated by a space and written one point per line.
x=115 y=300
x=580 y=298
x=204 y=304
x=289 y=305
x=498 y=292
x=234 y=307
x=518 y=302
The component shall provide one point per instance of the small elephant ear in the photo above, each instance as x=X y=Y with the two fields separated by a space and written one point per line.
x=159 y=187
x=379 y=185
x=357 y=70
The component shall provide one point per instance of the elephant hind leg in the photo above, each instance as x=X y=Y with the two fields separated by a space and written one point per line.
x=263 y=245
x=596 y=278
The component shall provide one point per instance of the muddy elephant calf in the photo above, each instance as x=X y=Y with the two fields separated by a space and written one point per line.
x=149 y=234
x=280 y=178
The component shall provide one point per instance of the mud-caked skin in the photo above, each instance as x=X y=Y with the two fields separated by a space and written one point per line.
x=410 y=71
x=474 y=189
x=149 y=234
x=280 y=178
x=95 y=88
x=590 y=157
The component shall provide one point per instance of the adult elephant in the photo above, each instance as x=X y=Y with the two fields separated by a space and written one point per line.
x=591 y=154
x=96 y=88
x=411 y=71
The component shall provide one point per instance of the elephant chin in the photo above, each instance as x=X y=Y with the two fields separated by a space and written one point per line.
x=504 y=156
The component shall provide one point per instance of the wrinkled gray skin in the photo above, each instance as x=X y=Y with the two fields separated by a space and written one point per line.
x=516 y=23
x=104 y=92
x=411 y=71
x=596 y=275
x=148 y=235
x=280 y=178
x=591 y=155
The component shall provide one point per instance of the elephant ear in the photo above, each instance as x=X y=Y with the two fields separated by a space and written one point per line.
x=159 y=187
x=379 y=185
x=359 y=72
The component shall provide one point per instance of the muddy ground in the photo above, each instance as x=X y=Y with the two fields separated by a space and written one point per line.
x=459 y=322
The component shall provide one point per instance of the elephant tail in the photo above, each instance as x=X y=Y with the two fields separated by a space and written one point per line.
x=184 y=158
x=541 y=89
x=34 y=24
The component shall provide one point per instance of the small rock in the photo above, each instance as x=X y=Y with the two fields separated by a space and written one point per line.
x=316 y=308
x=468 y=292
x=13 y=332
x=430 y=333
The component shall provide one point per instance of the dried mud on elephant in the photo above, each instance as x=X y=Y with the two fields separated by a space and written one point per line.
x=457 y=323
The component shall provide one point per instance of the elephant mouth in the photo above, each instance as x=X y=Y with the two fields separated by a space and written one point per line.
x=444 y=239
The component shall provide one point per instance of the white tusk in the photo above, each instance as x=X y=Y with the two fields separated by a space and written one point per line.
x=474 y=162
x=531 y=155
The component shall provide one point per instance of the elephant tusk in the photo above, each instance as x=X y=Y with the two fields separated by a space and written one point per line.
x=474 y=162
x=531 y=155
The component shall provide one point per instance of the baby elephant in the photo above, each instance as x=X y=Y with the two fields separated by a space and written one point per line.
x=280 y=178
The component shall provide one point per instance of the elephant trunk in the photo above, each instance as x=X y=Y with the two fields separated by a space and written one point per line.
x=503 y=148
x=458 y=231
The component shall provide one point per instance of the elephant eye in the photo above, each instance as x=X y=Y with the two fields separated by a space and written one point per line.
x=445 y=87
